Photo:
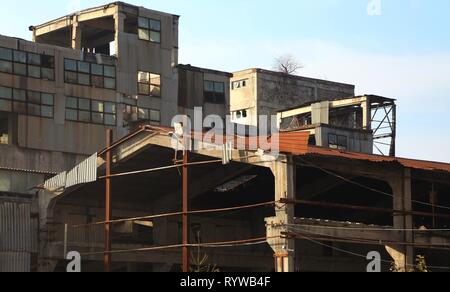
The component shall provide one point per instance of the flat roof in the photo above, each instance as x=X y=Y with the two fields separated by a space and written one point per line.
x=117 y=3
x=291 y=76
x=204 y=70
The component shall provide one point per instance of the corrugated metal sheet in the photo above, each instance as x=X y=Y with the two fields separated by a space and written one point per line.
x=85 y=172
x=15 y=262
x=18 y=236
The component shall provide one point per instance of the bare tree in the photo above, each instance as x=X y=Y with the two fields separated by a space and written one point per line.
x=287 y=64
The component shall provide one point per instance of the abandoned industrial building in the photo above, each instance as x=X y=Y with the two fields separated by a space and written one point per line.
x=335 y=193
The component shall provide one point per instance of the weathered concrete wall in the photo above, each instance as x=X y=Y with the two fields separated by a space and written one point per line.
x=357 y=140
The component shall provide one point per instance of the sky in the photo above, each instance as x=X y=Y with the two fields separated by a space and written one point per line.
x=394 y=48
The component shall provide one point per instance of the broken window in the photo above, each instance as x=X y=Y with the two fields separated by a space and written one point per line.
x=149 y=84
x=337 y=141
x=239 y=84
x=149 y=30
x=89 y=74
x=214 y=92
x=27 y=64
x=4 y=130
x=91 y=111
x=26 y=102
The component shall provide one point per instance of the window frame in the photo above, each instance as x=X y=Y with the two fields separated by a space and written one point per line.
x=92 y=76
x=92 y=111
x=149 y=84
x=26 y=102
x=149 y=29
x=214 y=96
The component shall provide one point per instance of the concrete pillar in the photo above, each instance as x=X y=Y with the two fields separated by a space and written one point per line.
x=284 y=248
x=119 y=27
x=76 y=33
x=367 y=114
x=403 y=255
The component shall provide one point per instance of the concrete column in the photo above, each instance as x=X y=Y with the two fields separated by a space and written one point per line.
x=76 y=33
x=119 y=27
x=403 y=255
x=367 y=114
x=284 y=249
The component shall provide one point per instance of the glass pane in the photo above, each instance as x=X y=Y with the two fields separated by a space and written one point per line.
x=20 y=95
x=20 y=69
x=97 y=118
x=155 y=79
x=155 y=90
x=5 y=92
x=47 y=99
x=97 y=81
x=34 y=71
x=70 y=65
x=332 y=139
x=71 y=102
x=155 y=116
x=84 y=79
x=48 y=61
x=5 y=66
x=144 y=34
x=84 y=116
x=97 y=69
x=110 y=120
x=143 y=114
x=143 y=77
x=219 y=87
x=155 y=36
x=71 y=115
x=48 y=74
x=20 y=57
x=98 y=106
x=155 y=25
x=110 y=83
x=84 y=67
x=110 y=107
x=143 y=22
x=6 y=54
x=144 y=89
x=84 y=104
x=209 y=86
x=34 y=97
x=20 y=107
x=34 y=59
x=110 y=71
x=34 y=109
x=47 y=111
x=5 y=105
x=70 y=77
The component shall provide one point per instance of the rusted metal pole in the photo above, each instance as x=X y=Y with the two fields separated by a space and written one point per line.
x=107 y=255
x=185 y=212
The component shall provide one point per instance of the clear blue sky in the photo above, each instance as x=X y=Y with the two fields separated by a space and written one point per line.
x=404 y=53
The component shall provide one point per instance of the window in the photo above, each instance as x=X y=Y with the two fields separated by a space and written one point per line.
x=89 y=74
x=91 y=111
x=337 y=142
x=239 y=84
x=214 y=92
x=149 y=30
x=27 y=64
x=133 y=113
x=4 y=130
x=25 y=102
x=149 y=84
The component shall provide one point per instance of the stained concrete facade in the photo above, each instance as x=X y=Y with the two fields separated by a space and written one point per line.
x=256 y=92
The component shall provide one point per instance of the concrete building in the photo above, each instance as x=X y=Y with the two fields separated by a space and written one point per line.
x=116 y=67
x=257 y=92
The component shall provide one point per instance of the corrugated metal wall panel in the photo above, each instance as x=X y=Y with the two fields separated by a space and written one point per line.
x=18 y=236
x=19 y=262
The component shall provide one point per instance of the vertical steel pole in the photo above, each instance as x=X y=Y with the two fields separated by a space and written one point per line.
x=66 y=230
x=185 y=213
x=107 y=255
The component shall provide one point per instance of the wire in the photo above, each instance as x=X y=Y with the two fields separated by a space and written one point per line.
x=361 y=255
x=235 y=243
x=367 y=187
x=368 y=228
x=179 y=214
